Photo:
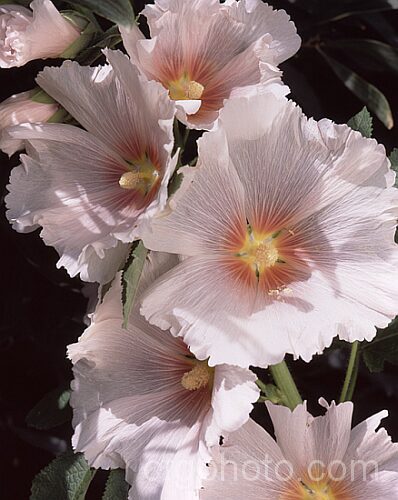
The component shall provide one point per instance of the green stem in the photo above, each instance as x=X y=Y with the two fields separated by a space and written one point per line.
x=284 y=380
x=180 y=140
x=351 y=374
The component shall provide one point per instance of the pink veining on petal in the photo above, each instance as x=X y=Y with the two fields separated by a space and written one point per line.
x=227 y=49
x=143 y=402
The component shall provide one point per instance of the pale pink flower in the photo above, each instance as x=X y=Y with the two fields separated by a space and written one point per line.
x=20 y=108
x=91 y=189
x=203 y=52
x=143 y=402
x=33 y=34
x=317 y=458
x=288 y=233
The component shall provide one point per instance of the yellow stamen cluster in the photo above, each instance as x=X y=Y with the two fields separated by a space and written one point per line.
x=184 y=88
x=129 y=180
x=265 y=254
x=141 y=175
x=259 y=251
x=194 y=90
x=317 y=490
x=200 y=376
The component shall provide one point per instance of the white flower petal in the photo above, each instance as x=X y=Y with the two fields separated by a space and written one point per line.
x=308 y=451
x=70 y=182
x=231 y=49
x=113 y=103
x=131 y=409
x=242 y=464
x=325 y=192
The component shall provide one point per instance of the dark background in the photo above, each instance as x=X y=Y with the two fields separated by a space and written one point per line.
x=42 y=308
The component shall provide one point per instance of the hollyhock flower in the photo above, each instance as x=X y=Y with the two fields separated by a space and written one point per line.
x=21 y=108
x=288 y=233
x=33 y=34
x=143 y=402
x=317 y=458
x=90 y=189
x=203 y=52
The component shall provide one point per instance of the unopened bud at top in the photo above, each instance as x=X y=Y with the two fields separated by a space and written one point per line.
x=39 y=33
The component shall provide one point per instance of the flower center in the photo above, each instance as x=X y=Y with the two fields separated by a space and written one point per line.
x=316 y=491
x=184 y=88
x=141 y=176
x=200 y=376
x=260 y=251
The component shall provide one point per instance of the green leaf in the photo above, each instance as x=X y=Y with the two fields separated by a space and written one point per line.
x=383 y=348
x=394 y=158
x=394 y=163
x=65 y=478
x=272 y=393
x=362 y=122
x=131 y=277
x=116 y=487
x=370 y=54
x=365 y=91
x=52 y=410
x=118 y=11
x=109 y=39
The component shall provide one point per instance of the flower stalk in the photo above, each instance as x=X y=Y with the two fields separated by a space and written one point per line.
x=351 y=374
x=285 y=383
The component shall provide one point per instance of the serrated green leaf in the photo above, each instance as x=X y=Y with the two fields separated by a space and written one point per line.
x=52 y=410
x=118 y=11
x=383 y=348
x=394 y=158
x=65 y=478
x=394 y=163
x=362 y=122
x=131 y=277
x=116 y=487
x=365 y=91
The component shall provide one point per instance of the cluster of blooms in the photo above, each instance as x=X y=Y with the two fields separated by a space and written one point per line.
x=279 y=239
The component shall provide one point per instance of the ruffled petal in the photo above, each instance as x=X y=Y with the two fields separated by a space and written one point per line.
x=246 y=462
x=131 y=409
x=70 y=182
x=373 y=452
x=114 y=104
x=233 y=394
x=260 y=19
x=230 y=49
x=322 y=194
x=307 y=448
x=79 y=209
x=305 y=440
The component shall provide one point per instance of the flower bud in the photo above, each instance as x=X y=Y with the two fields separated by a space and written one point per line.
x=25 y=108
x=39 y=33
